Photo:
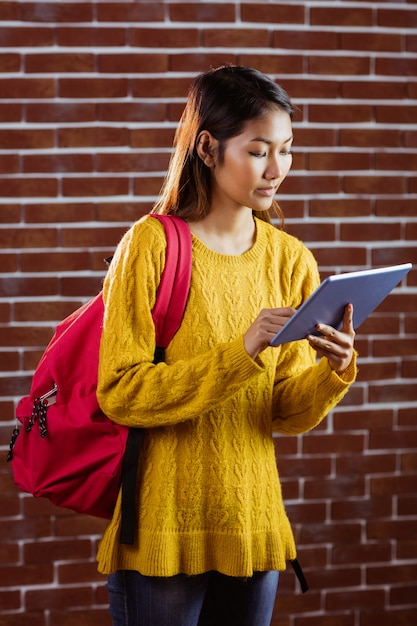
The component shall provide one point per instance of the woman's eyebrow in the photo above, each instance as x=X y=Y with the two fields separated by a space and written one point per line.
x=268 y=141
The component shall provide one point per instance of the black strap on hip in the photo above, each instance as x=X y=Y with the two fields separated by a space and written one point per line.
x=300 y=575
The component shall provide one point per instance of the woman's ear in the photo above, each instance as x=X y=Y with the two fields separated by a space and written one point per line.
x=206 y=146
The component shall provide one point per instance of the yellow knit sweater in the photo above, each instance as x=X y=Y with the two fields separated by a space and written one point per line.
x=208 y=486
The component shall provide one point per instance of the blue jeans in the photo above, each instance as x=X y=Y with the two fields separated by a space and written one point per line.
x=209 y=599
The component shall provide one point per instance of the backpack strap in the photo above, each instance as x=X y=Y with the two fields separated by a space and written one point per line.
x=167 y=314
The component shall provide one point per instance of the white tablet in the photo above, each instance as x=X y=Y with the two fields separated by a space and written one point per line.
x=365 y=290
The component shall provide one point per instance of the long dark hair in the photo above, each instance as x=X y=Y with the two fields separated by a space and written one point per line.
x=220 y=101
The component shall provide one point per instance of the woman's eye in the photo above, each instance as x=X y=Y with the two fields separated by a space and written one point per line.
x=286 y=153
x=259 y=155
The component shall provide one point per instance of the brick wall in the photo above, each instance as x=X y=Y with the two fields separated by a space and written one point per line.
x=90 y=93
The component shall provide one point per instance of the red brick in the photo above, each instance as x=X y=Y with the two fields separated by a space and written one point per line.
x=370 y=138
x=366 y=463
x=26 y=139
x=370 y=232
x=89 y=137
x=131 y=112
x=307 y=87
x=389 y=616
x=403 y=595
x=393 y=66
x=169 y=88
x=9 y=11
x=164 y=38
x=301 y=184
x=130 y=12
x=137 y=63
x=394 y=574
x=21 y=88
x=147 y=186
x=11 y=114
x=402 y=162
x=314 y=136
x=336 y=619
x=85 y=187
x=274 y=64
x=91 y=237
x=352 y=114
x=366 y=599
x=304 y=39
x=363 y=553
x=81 y=37
x=389 y=439
x=128 y=212
x=152 y=137
x=78 y=572
x=28 y=238
x=21 y=37
x=330 y=444
x=44 y=311
x=340 y=255
x=337 y=533
x=132 y=162
x=373 y=90
x=401 y=17
x=58 y=163
x=407 y=417
x=340 y=208
x=61 y=62
x=81 y=287
x=321 y=16
x=339 y=161
x=328 y=578
x=372 y=41
x=407 y=505
x=9 y=361
x=9 y=164
x=29 y=187
x=57 y=112
x=10 y=213
x=206 y=12
x=395 y=208
x=374 y=185
x=24 y=335
x=339 y=66
x=79 y=617
x=9 y=601
x=57 y=550
x=235 y=37
x=314 y=512
x=312 y=231
x=93 y=88
x=55 y=262
x=58 y=598
x=10 y=62
x=56 y=213
x=61 y=12
x=272 y=14
x=198 y=61
x=407 y=549
x=396 y=114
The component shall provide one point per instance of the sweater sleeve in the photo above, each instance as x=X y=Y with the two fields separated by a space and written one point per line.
x=305 y=391
x=131 y=389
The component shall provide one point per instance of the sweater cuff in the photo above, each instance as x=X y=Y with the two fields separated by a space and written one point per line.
x=333 y=379
x=240 y=359
x=348 y=376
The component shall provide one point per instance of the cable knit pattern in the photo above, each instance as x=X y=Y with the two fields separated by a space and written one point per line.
x=208 y=487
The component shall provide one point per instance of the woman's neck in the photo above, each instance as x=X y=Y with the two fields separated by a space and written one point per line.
x=224 y=234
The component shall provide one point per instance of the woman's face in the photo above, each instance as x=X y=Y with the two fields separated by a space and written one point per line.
x=254 y=164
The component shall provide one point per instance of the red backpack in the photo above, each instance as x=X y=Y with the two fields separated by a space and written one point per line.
x=67 y=450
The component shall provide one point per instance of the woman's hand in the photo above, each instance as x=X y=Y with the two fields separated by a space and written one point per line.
x=268 y=323
x=336 y=346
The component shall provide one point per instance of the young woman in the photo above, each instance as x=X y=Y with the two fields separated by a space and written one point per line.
x=212 y=532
